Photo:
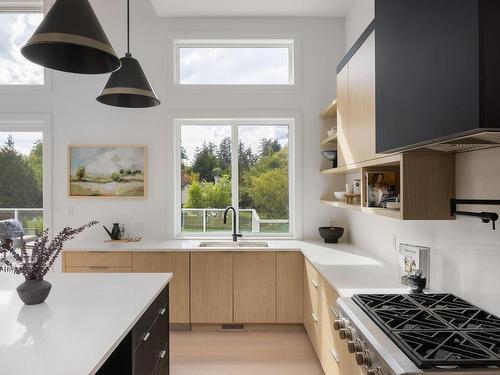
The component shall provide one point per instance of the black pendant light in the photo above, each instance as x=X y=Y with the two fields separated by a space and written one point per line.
x=128 y=87
x=71 y=39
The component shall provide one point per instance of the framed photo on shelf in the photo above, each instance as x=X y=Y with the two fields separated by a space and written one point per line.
x=380 y=188
x=107 y=171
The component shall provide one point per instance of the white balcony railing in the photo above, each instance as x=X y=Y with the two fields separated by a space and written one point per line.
x=211 y=219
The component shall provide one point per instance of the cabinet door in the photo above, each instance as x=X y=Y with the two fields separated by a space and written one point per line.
x=311 y=307
x=176 y=263
x=255 y=287
x=211 y=287
x=343 y=151
x=362 y=102
x=115 y=259
x=289 y=287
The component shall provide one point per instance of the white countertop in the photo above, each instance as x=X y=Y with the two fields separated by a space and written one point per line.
x=80 y=324
x=347 y=268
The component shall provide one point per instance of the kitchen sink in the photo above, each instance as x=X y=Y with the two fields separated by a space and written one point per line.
x=231 y=244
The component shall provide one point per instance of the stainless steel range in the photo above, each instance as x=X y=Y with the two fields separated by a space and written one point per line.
x=419 y=334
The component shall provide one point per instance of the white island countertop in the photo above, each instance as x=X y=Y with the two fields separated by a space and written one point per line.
x=82 y=321
x=347 y=268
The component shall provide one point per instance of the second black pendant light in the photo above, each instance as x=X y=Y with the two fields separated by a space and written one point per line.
x=128 y=86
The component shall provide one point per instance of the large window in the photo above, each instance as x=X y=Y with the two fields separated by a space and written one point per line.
x=243 y=163
x=235 y=62
x=21 y=178
x=15 y=29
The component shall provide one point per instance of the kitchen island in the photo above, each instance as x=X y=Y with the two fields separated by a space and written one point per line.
x=89 y=324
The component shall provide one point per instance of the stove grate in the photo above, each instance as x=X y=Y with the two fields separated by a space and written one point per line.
x=436 y=330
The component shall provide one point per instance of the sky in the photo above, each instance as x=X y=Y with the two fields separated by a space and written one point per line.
x=194 y=136
x=23 y=141
x=249 y=66
x=15 y=30
x=103 y=161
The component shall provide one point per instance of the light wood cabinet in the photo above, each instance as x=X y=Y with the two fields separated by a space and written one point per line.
x=362 y=102
x=343 y=151
x=255 y=287
x=212 y=287
x=289 y=287
x=311 y=306
x=356 y=106
x=112 y=259
x=169 y=262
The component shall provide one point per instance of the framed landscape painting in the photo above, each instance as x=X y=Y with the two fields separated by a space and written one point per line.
x=107 y=171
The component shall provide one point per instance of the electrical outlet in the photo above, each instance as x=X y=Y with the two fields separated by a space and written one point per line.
x=71 y=211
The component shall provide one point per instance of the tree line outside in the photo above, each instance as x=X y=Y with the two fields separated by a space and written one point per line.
x=262 y=181
x=21 y=182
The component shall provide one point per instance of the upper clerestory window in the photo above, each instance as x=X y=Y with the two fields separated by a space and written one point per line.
x=232 y=63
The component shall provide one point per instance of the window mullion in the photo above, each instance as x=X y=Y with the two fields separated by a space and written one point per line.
x=234 y=173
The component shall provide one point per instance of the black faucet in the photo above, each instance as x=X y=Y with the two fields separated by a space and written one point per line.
x=235 y=235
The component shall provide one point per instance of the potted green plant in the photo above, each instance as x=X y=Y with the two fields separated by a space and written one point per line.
x=35 y=264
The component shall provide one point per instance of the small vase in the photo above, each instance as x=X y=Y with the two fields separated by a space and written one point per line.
x=33 y=292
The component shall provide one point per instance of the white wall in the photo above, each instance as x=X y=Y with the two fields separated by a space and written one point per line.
x=465 y=254
x=79 y=119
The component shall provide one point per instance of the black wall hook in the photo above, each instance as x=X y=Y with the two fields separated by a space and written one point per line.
x=486 y=217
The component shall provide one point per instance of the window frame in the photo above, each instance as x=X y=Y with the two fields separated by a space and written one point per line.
x=288 y=40
x=26 y=7
x=294 y=173
x=36 y=122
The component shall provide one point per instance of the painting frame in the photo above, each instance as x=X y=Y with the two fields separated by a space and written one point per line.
x=70 y=147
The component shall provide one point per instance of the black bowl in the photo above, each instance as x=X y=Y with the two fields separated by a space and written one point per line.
x=331 y=234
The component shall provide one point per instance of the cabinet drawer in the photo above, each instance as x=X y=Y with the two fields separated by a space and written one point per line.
x=311 y=290
x=330 y=360
x=98 y=269
x=120 y=259
x=144 y=327
x=329 y=311
x=162 y=366
x=152 y=348
x=311 y=323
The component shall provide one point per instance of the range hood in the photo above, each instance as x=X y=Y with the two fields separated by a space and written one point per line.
x=472 y=142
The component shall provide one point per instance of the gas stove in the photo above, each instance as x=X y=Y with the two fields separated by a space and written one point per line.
x=420 y=333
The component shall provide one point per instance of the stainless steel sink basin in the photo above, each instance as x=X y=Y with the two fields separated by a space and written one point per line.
x=231 y=244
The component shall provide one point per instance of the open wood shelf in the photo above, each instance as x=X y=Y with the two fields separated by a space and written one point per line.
x=395 y=214
x=330 y=111
x=356 y=167
x=329 y=140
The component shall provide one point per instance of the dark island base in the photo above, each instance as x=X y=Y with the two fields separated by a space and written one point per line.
x=145 y=349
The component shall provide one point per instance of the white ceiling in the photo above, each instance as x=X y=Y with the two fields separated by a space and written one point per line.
x=251 y=8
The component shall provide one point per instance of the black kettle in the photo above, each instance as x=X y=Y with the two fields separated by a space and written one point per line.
x=115 y=232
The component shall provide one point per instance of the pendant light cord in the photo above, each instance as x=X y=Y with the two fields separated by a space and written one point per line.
x=128 y=27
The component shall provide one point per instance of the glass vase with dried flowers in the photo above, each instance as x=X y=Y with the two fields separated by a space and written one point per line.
x=34 y=264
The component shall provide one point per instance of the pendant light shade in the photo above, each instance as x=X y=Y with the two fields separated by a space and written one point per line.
x=71 y=39
x=128 y=86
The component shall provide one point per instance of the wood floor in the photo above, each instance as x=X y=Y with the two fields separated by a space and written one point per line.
x=243 y=353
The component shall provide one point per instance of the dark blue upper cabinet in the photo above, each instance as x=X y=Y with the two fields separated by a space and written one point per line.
x=437 y=70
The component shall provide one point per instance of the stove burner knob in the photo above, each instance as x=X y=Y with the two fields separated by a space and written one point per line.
x=354 y=346
x=339 y=324
x=363 y=358
x=345 y=333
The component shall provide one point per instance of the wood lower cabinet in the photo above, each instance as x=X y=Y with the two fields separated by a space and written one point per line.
x=169 y=262
x=212 y=287
x=289 y=287
x=320 y=311
x=255 y=287
x=98 y=259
